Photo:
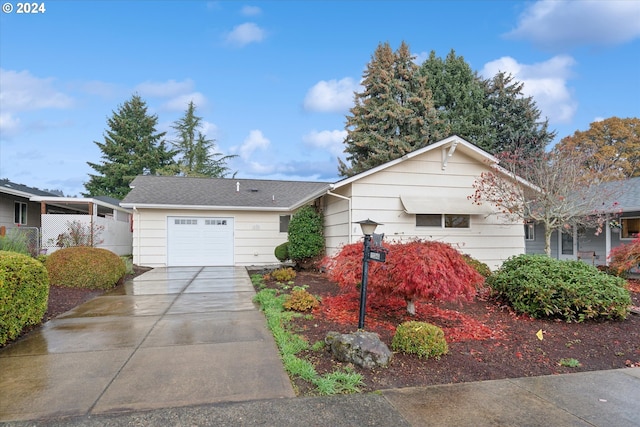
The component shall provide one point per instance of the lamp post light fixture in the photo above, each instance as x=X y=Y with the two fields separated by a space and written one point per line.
x=368 y=227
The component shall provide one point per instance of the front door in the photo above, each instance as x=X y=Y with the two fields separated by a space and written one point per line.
x=567 y=243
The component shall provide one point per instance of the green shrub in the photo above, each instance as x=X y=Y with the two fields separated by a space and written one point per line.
x=420 y=338
x=85 y=267
x=300 y=300
x=571 y=290
x=479 y=266
x=306 y=240
x=283 y=274
x=282 y=252
x=24 y=293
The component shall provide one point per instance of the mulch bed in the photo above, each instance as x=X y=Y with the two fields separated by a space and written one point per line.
x=487 y=340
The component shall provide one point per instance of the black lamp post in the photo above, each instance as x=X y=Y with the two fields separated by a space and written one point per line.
x=368 y=227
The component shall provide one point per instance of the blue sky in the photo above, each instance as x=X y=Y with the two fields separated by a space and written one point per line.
x=274 y=80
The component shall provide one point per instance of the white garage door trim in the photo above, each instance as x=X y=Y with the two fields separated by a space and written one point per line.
x=195 y=241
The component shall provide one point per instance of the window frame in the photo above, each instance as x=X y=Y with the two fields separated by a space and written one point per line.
x=443 y=221
x=529 y=232
x=20 y=211
x=284 y=223
x=624 y=229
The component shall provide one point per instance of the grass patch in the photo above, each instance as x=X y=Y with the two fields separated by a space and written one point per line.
x=290 y=344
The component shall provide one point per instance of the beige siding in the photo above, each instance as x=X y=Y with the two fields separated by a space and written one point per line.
x=256 y=235
x=490 y=238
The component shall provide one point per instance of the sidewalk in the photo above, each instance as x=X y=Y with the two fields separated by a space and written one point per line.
x=186 y=346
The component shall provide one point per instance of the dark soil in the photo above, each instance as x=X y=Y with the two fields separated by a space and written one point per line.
x=487 y=341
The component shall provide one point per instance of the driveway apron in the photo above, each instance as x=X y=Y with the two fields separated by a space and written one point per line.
x=171 y=337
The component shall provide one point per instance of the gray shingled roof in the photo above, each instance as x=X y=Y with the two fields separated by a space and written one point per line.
x=630 y=198
x=220 y=192
x=25 y=189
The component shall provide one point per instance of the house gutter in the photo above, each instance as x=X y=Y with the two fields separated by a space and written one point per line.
x=348 y=199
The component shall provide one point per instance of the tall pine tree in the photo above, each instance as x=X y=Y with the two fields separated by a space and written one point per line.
x=195 y=150
x=514 y=119
x=131 y=147
x=393 y=116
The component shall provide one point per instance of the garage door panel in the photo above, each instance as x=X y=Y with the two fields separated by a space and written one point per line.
x=199 y=241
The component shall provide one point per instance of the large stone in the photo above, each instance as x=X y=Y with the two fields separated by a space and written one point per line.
x=360 y=348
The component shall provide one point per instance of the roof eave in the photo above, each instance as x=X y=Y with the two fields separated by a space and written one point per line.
x=132 y=205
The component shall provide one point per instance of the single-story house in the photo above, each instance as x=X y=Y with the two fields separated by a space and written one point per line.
x=218 y=221
x=587 y=244
x=44 y=216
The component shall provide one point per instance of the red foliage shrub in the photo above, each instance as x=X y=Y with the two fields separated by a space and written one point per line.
x=415 y=270
x=624 y=257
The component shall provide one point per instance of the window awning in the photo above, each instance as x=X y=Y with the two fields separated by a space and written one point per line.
x=441 y=205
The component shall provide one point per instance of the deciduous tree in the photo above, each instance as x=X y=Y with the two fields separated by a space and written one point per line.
x=613 y=143
x=552 y=189
x=131 y=147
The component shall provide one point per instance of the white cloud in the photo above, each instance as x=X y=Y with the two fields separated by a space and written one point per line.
x=333 y=96
x=251 y=10
x=556 y=24
x=181 y=102
x=9 y=125
x=166 y=89
x=545 y=81
x=255 y=141
x=209 y=129
x=246 y=33
x=328 y=140
x=21 y=91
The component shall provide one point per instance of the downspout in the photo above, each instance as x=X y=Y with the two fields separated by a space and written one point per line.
x=137 y=231
x=348 y=199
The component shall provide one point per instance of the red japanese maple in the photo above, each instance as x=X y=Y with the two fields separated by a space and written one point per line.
x=417 y=270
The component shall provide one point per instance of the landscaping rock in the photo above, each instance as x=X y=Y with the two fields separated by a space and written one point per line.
x=360 y=348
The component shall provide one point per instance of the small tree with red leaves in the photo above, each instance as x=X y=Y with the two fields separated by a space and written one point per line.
x=625 y=257
x=415 y=270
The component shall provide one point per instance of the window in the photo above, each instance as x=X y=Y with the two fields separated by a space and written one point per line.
x=529 y=231
x=457 y=221
x=20 y=214
x=630 y=228
x=450 y=221
x=183 y=221
x=284 y=223
x=430 y=220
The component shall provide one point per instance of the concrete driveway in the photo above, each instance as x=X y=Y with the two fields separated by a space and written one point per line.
x=171 y=337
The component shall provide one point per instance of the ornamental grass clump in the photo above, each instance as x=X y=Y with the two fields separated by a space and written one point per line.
x=570 y=290
x=85 y=267
x=420 y=338
x=24 y=293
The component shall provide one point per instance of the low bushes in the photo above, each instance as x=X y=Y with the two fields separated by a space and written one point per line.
x=420 y=338
x=24 y=293
x=281 y=252
x=300 y=300
x=283 y=274
x=85 y=267
x=625 y=257
x=571 y=290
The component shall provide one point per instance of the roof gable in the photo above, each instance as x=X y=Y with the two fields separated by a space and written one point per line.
x=448 y=145
x=220 y=193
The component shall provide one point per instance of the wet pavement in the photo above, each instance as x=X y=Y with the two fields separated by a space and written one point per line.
x=170 y=337
x=186 y=346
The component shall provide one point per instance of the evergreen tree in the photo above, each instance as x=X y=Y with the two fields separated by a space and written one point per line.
x=196 y=151
x=458 y=96
x=131 y=147
x=393 y=116
x=514 y=120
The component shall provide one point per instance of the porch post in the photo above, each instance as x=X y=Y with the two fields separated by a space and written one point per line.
x=91 y=223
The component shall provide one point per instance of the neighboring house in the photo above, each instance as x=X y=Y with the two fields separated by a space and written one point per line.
x=217 y=221
x=44 y=216
x=587 y=244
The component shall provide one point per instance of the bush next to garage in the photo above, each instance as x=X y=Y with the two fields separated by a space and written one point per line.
x=85 y=267
x=24 y=292
x=306 y=240
x=570 y=290
x=281 y=252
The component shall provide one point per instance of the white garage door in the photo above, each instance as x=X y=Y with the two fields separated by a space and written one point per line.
x=199 y=241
